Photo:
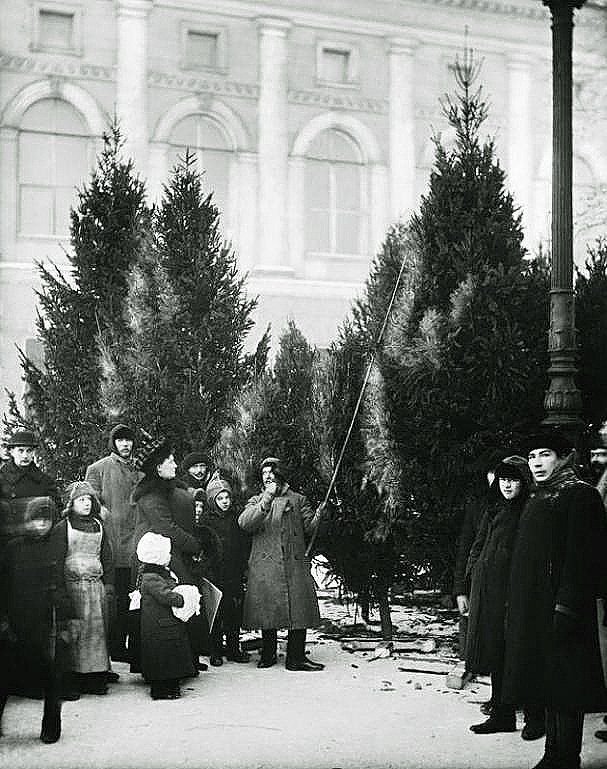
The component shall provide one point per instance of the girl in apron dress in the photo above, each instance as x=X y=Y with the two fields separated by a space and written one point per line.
x=88 y=576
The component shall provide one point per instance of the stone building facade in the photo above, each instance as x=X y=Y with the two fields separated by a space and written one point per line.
x=313 y=121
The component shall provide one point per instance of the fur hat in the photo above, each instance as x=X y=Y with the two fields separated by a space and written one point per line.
x=22 y=438
x=151 y=452
x=546 y=437
x=194 y=458
x=120 y=431
x=154 y=548
x=514 y=467
x=215 y=487
x=275 y=464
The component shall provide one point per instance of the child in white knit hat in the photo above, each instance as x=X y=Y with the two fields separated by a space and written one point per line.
x=166 y=656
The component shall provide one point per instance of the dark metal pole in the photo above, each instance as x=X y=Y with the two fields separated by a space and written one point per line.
x=563 y=401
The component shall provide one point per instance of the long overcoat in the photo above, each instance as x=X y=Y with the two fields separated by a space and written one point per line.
x=114 y=479
x=552 y=650
x=489 y=570
x=166 y=508
x=165 y=648
x=280 y=589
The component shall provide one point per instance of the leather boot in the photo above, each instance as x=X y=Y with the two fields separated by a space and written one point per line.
x=51 y=722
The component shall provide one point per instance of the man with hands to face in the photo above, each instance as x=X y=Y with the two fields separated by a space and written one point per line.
x=280 y=590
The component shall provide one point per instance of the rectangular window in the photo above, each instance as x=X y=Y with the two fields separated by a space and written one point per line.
x=335 y=65
x=56 y=29
x=201 y=49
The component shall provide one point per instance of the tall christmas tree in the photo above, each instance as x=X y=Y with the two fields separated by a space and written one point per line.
x=189 y=318
x=61 y=401
x=469 y=366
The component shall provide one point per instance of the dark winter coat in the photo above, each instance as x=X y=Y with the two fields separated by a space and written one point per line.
x=552 y=653
x=33 y=597
x=280 y=589
x=165 y=649
x=473 y=514
x=489 y=573
x=114 y=479
x=229 y=551
x=19 y=482
x=166 y=508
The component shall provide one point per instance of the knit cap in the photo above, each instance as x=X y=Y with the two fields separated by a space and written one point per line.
x=215 y=487
x=81 y=489
x=154 y=548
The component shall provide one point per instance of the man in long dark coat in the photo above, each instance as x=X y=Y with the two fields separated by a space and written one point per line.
x=552 y=651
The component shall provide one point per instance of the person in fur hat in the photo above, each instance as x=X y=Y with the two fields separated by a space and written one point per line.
x=489 y=571
x=280 y=589
x=552 y=656
x=227 y=570
x=195 y=471
x=164 y=506
x=35 y=607
x=89 y=576
x=166 y=656
x=113 y=478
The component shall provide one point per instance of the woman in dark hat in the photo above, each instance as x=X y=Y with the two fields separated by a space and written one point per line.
x=489 y=570
x=164 y=506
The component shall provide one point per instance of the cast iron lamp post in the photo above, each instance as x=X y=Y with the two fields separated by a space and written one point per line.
x=563 y=401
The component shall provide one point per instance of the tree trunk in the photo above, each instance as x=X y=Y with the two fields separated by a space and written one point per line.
x=384 y=611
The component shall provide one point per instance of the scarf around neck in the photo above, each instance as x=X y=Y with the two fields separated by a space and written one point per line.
x=562 y=476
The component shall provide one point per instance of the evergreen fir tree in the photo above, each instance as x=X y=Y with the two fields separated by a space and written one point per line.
x=108 y=227
x=591 y=323
x=471 y=366
x=189 y=317
x=274 y=417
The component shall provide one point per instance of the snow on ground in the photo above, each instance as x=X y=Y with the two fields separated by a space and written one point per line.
x=357 y=714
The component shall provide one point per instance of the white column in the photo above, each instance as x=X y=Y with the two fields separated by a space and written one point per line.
x=379 y=194
x=401 y=55
x=131 y=78
x=246 y=215
x=273 y=146
x=8 y=193
x=297 y=225
x=520 y=141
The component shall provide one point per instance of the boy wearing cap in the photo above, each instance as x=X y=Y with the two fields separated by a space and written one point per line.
x=113 y=479
x=227 y=570
x=280 y=589
x=552 y=655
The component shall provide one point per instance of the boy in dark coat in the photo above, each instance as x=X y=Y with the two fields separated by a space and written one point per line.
x=166 y=656
x=20 y=477
x=33 y=597
x=227 y=570
x=552 y=654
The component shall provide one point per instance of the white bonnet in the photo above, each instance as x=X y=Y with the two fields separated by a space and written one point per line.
x=154 y=548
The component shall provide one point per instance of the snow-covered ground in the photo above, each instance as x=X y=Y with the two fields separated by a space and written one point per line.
x=359 y=713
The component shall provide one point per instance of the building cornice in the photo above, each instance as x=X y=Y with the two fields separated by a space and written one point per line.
x=56 y=68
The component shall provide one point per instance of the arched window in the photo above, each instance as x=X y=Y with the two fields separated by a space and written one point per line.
x=207 y=141
x=336 y=192
x=53 y=161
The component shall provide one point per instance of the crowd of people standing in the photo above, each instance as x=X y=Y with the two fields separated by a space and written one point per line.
x=144 y=563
